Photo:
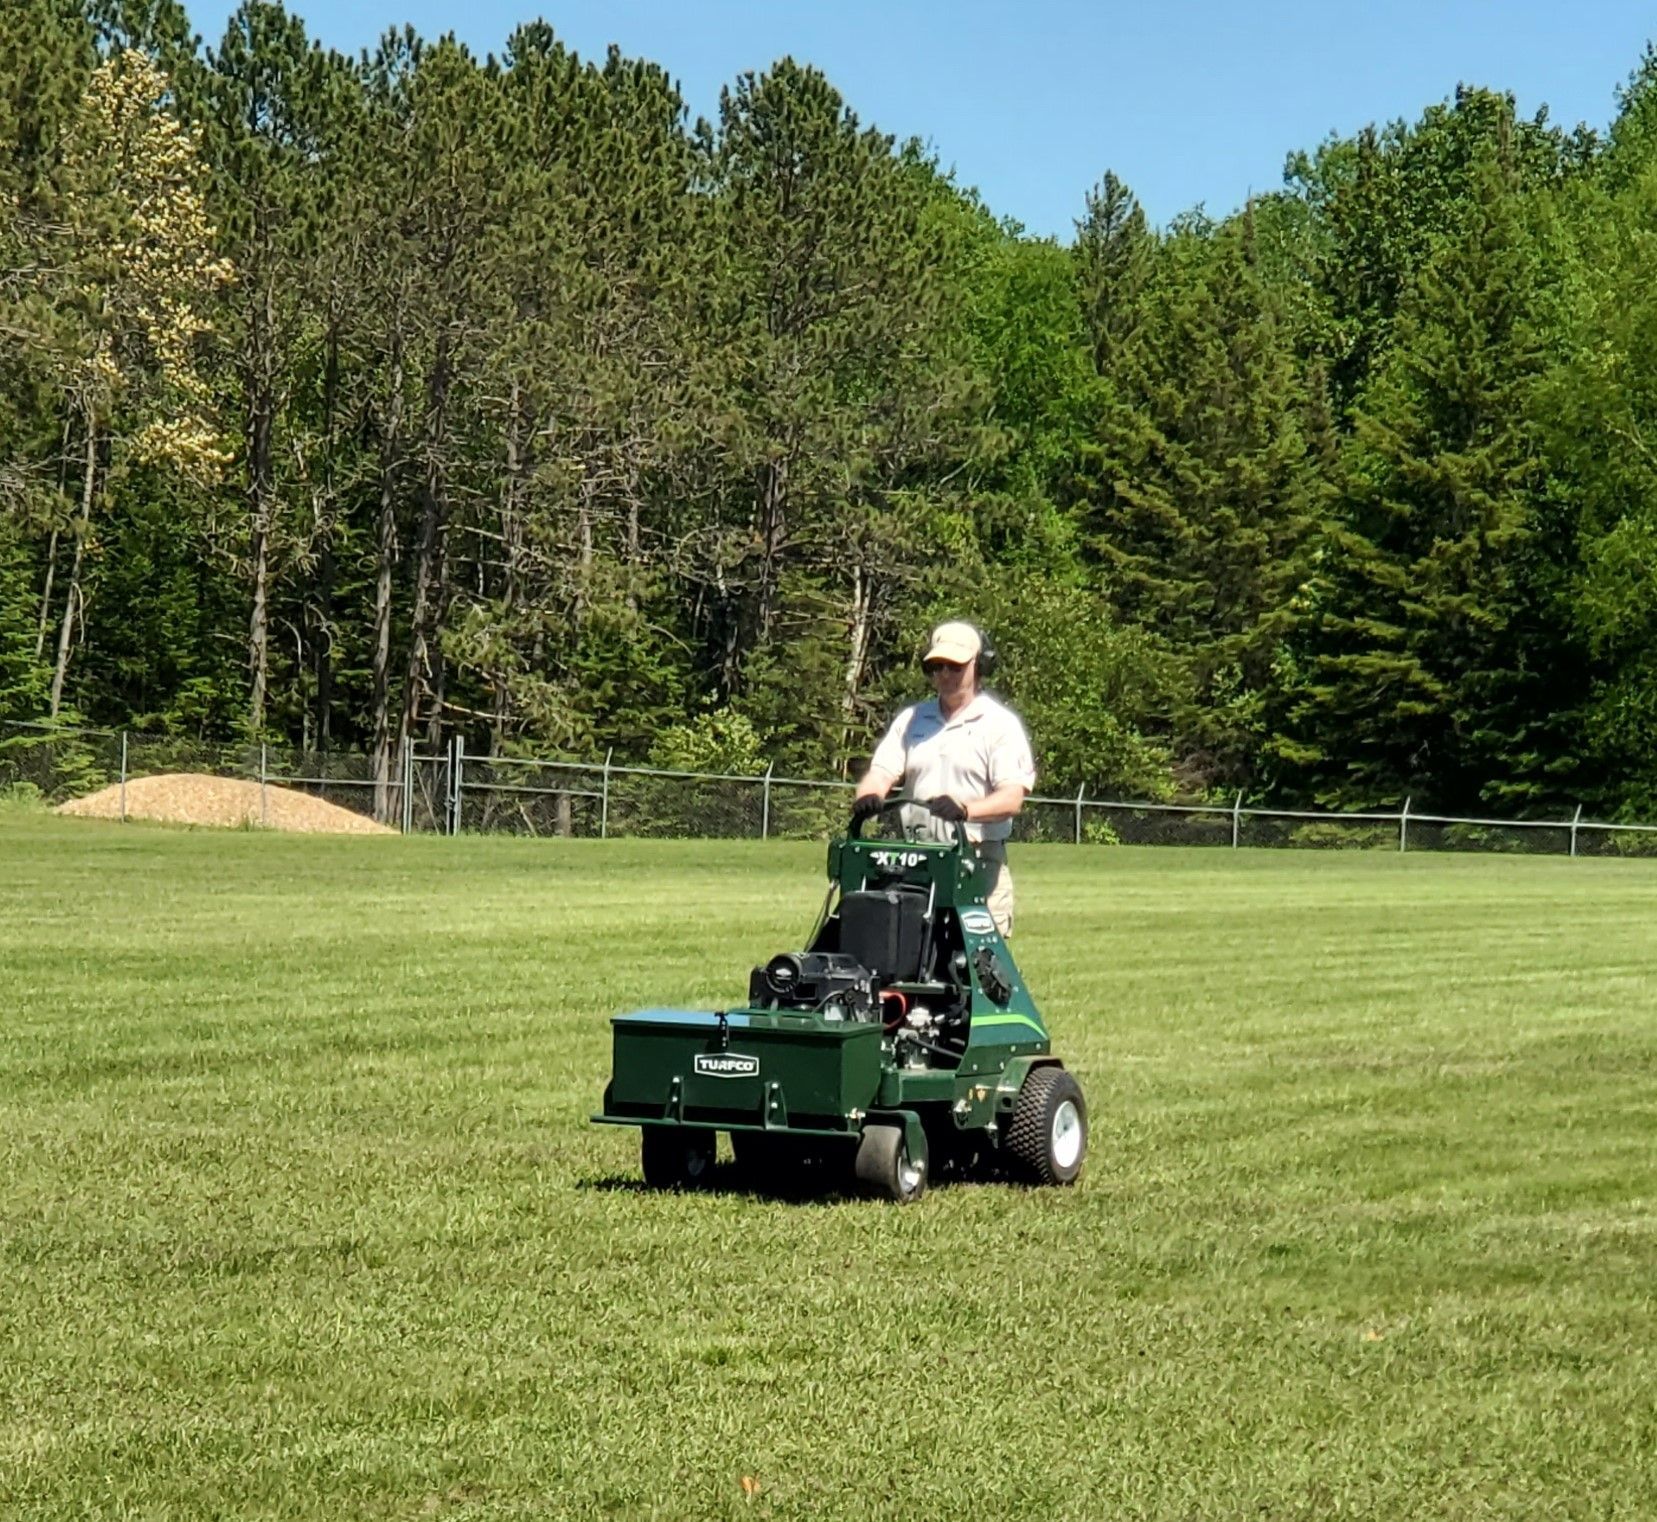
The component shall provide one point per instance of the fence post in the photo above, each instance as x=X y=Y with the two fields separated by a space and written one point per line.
x=123 y=776
x=1574 y=823
x=604 y=802
x=1404 y=827
x=448 y=785
x=1236 y=819
x=1079 y=791
x=765 y=807
x=408 y=789
x=264 y=787
x=460 y=784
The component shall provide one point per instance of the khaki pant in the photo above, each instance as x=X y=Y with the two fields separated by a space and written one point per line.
x=920 y=824
x=999 y=899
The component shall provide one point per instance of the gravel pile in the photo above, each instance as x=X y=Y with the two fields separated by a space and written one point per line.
x=184 y=798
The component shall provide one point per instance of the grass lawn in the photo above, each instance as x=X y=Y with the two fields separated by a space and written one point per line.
x=300 y=1215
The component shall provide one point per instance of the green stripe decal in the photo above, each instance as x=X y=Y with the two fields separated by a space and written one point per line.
x=1008 y=1020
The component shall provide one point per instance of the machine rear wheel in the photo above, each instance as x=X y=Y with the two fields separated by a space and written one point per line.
x=1047 y=1139
x=885 y=1163
x=678 y=1159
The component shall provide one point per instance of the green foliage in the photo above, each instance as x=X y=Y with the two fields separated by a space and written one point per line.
x=160 y=667
x=1437 y=668
x=1322 y=835
x=57 y=761
x=1384 y=200
x=553 y=417
x=25 y=679
x=1200 y=498
x=717 y=741
x=1087 y=686
x=1597 y=410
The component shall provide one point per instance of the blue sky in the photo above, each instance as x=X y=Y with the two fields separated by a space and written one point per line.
x=1189 y=101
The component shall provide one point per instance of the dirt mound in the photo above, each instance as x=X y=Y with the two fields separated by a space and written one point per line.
x=181 y=798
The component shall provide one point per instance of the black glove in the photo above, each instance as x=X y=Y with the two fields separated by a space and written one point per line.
x=947 y=809
x=869 y=804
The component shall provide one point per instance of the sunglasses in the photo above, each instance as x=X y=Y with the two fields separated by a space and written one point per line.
x=929 y=667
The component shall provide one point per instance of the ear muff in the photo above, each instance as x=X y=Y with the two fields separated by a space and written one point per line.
x=987 y=657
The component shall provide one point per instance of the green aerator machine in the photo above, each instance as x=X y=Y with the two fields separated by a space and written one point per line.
x=901 y=1042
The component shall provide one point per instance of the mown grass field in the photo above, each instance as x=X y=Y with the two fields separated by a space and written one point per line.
x=300 y=1215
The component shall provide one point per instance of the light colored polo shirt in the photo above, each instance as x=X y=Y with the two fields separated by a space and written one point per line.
x=982 y=748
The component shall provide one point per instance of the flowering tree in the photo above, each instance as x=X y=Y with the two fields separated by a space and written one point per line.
x=132 y=271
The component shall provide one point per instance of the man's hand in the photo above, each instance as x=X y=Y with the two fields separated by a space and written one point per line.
x=946 y=808
x=866 y=805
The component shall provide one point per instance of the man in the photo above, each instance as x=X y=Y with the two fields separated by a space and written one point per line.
x=962 y=754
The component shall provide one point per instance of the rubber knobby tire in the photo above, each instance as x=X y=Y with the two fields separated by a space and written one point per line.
x=1041 y=1135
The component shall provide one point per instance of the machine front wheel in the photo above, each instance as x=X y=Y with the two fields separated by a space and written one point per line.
x=1047 y=1139
x=675 y=1158
x=885 y=1163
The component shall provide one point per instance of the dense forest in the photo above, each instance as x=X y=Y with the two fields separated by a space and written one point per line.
x=354 y=403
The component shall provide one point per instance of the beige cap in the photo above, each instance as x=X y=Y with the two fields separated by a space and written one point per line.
x=954 y=642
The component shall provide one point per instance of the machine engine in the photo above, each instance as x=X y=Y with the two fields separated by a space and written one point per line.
x=831 y=982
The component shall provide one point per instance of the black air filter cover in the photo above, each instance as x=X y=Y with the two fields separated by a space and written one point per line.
x=885 y=929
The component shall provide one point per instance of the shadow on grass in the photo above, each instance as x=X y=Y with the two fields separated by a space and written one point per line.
x=831 y=1188
x=813 y=1184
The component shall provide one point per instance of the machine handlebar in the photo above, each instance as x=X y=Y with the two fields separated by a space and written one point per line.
x=854 y=829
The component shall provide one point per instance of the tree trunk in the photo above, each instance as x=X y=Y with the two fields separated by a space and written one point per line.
x=258 y=632
x=726 y=623
x=861 y=610
x=52 y=549
x=259 y=491
x=584 y=549
x=425 y=617
x=71 y=603
x=773 y=501
x=259 y=381
x=437 y=666
x=323 y=643
x=512 y=533
x=46 y=596
x=391 y=443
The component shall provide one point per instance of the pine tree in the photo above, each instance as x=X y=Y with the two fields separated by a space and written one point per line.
x=1114 y=251
x=1382 y=202
x=1597 y=412
x=589 y=294
x=24 y=678
x=1202 y=513
x=1426 y=678
x=845 y=384
x=273 y=136
x=46 y=57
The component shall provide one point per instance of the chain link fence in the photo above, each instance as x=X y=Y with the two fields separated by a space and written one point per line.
x=528 y=797
x=453 y=792
x=57 y=764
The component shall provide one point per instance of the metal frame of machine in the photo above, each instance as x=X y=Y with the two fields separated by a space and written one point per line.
x=903 y=1037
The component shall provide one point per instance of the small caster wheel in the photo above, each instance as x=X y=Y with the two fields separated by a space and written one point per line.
x=886 y=1165
x=675 y=1158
